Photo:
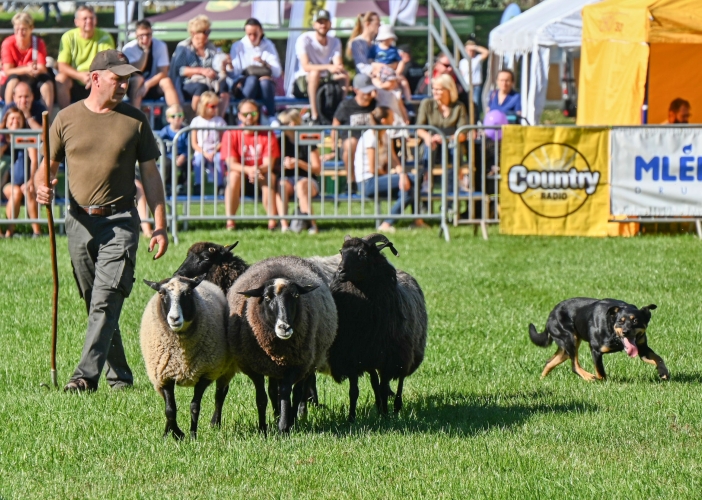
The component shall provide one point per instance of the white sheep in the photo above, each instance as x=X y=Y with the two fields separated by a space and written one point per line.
x=184 y=342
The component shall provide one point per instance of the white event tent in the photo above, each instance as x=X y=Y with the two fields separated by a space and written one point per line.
x=531 y=36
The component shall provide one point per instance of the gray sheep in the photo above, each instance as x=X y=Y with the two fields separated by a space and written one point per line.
x=184 y=342
x=282 y=322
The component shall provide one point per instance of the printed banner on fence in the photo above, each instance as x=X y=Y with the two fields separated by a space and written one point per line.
x=554 y=181
x=657 y=171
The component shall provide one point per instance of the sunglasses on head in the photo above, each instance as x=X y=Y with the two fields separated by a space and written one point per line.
x=176 y=115
x=205 y=32
x=253 y=114
x=212 y=106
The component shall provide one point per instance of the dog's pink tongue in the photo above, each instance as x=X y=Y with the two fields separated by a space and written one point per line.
x=631 y=349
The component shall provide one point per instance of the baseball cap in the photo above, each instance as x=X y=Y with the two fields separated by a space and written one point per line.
x=363 y=83
x=114 y=61
x=322 y=14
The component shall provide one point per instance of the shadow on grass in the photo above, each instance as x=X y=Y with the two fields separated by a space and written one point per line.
x=449 y=413
x=675 y=378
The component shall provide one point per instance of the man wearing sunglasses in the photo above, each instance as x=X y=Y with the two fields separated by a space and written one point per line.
x=101 y=139
x=150 y=56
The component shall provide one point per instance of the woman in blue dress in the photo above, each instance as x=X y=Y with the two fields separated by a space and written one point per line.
x=505 y=98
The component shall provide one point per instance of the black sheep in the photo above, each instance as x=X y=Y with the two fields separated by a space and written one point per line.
x=219 y=265
x=382 y=321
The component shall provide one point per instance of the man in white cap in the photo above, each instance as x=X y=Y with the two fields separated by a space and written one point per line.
x=101 y=139
x=319 y=57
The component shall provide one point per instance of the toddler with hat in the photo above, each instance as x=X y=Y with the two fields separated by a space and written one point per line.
x=385 y=56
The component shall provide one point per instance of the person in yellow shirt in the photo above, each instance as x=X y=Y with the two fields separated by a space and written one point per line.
x=77 y=49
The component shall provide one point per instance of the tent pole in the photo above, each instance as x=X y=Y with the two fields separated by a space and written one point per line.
x=430 y=45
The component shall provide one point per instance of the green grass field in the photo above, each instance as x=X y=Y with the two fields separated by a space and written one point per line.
x=477 y=422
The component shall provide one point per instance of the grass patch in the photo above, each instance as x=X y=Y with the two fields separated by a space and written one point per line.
x=477 y=422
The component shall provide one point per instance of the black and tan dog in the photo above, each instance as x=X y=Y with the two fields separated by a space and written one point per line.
x=608 y=325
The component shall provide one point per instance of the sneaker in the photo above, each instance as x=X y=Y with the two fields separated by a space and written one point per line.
x=313 y=230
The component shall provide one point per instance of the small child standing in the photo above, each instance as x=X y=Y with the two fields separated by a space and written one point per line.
x=384 y=53
x=175 y=116
x=207 y=143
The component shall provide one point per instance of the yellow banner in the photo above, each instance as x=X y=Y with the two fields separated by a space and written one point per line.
x=555 y=181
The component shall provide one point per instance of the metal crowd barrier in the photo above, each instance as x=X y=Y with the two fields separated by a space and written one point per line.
x=24 y=140
x=215 y=193
x=476 y=178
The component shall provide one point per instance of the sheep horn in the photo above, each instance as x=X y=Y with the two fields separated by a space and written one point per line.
x=231 y=247
x=381 y=238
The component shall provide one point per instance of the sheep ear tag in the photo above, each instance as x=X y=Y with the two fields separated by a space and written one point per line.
x=254 y=292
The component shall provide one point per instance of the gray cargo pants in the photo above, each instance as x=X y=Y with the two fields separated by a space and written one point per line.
x=103 y=254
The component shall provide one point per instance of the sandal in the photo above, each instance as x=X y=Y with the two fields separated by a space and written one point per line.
x=78 y=385
x=231 y=225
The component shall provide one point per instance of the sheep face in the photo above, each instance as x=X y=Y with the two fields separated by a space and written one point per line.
x=361 y=258
x=202 y=257
x=177 y=301
x=278 y=304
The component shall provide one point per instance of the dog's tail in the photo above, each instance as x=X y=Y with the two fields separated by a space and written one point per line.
x=540 y=339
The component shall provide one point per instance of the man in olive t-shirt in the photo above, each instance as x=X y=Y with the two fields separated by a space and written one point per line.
x=101 y=139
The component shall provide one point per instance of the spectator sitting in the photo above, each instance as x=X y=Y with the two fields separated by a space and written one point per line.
x=356 y=113
x=362 y=37
x=477 y=55
x=251 y=157
x=255 y=62
x=505 y=98
x=445 y=112
x=23 y=99
x=24 y=60
x=77 y=49
x=207 y=143
x=384 y=53
x=302 y=167
x=320 y=61
x=192 y=66
x=174 y=115
x=388 y=81
x=374 y=179
x=18 y=186
x=413 y=72
x=150 y=56
x=678 y=112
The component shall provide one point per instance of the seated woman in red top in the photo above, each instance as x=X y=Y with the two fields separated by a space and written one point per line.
x=250 y=157
x=24 y=60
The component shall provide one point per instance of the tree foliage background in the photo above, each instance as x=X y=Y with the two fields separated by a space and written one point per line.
x=483 y=4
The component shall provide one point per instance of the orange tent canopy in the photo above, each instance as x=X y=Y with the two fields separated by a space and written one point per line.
x=624 y=41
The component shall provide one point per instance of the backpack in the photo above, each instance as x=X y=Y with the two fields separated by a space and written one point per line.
x=329 y=96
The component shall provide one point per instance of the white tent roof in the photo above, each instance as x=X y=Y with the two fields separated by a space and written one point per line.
x=552 y=22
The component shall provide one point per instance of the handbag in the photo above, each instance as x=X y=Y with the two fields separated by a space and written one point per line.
x=258 y=71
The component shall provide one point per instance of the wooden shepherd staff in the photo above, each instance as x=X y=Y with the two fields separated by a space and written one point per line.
x=52 y=237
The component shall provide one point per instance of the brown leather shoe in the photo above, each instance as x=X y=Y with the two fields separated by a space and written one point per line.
x=78 y=385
